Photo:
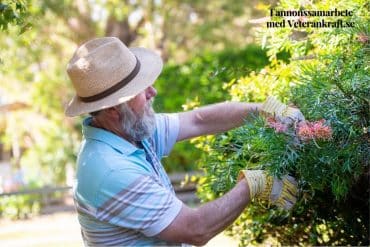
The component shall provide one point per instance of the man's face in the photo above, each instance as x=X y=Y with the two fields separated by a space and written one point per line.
x=137 y=115
x=140 y=101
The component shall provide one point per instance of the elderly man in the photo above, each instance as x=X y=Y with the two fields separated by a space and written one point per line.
x=123 y=195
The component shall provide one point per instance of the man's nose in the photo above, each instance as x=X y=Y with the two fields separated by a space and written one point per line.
x=151 y=92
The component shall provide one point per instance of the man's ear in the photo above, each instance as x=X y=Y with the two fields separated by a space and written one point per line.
x=113 y=112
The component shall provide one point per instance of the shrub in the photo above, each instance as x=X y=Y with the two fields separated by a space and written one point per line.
x=19 y=206
x=327 y=78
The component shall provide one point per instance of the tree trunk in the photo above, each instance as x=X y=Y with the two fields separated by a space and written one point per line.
x=121 y=30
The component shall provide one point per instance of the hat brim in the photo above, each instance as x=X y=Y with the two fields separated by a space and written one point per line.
x=151 y=67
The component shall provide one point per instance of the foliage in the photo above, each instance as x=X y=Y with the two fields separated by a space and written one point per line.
x=47 y=138
x=14 y=12
x=203 y=76
x=328 y=81
x=201 y=81
x=176 y=29
x=19 y=207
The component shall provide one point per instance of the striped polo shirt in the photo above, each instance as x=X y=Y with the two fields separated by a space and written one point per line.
x=122 y=194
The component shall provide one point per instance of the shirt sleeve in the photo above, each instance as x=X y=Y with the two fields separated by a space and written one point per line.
x=138 y=202
x=165 y=136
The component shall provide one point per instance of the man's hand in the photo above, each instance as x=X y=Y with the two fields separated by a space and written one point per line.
x=281 y=193
x=282 y=112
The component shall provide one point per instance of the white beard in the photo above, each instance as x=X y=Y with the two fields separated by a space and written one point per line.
x=135 y=126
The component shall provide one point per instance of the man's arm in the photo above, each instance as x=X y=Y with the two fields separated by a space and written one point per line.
x=214 y=119
x=197 y=226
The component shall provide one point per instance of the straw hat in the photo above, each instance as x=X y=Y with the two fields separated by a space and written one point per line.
x=105 y=73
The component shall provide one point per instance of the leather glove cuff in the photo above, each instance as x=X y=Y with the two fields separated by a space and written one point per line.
x=279 y=192
x=259 y=184
x=274 y=107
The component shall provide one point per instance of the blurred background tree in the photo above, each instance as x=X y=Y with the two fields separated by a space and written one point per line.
x=203 y=43
x=13 y=12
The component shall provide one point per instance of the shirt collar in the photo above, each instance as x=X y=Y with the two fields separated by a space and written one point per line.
x=113 y=140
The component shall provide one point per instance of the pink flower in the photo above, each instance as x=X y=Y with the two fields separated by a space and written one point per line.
x=305 y=132
x=363 y=38
x=314 y=130
x=278 y=126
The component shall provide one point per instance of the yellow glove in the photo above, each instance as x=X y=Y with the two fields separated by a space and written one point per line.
x=281 y=193
x=284 y=113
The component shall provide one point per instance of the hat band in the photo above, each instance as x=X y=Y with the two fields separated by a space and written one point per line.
x=115 y=87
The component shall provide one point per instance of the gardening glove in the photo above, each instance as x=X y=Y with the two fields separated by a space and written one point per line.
x=282 y=112
x=279 y=192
